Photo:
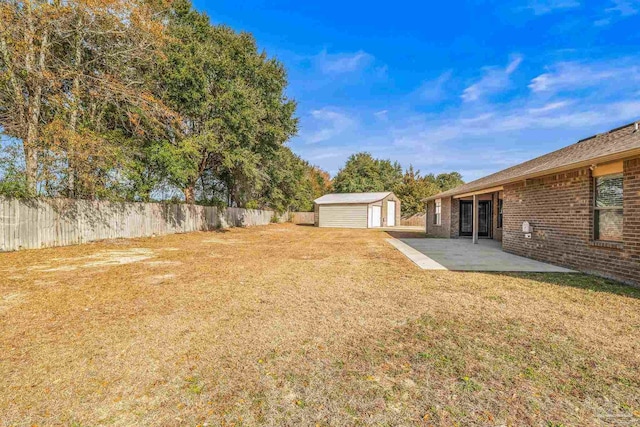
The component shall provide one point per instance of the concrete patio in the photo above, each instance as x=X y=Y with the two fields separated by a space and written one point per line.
x=463 y=255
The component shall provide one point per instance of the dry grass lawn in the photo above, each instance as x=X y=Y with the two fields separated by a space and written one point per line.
x=293 y=325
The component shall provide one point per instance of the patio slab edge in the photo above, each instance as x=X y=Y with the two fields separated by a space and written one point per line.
x=417 y=257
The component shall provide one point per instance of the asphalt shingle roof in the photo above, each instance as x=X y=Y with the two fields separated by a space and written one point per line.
x=614 y=142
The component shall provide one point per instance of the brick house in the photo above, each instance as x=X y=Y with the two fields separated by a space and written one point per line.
x=578 y=207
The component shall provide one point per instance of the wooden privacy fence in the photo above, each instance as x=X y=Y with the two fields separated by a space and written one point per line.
x=41 y=223
x=419 y=219
x=302 y=217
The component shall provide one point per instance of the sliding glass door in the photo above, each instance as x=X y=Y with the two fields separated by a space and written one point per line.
x=484 y=218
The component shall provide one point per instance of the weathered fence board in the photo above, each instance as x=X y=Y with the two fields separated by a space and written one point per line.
x=419 y=219
x=302 y=217
x=41 y=223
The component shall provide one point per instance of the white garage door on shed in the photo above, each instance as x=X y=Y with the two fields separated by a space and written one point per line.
x=349 y=216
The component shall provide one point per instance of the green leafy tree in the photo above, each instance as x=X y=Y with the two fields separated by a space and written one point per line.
x=288 y=187
x=363 y=173
x=414 y=189
x=231 y=100
x=13 y=180
x=447 y=181
x=142 y=100
x=292 y=185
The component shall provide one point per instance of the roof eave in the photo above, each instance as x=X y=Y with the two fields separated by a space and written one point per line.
x=577 y=165
x=430 y=198
x=350 y=203
x=386 y=194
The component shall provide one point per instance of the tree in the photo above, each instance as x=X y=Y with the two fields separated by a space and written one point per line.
x=71 y=91
x=447 y=181
x=288 y=187
x=320 y=181
x=292 y=184
x=363 y=173
x=414 y=189
x=231 y=100
x=135 y=99
x=12 y=178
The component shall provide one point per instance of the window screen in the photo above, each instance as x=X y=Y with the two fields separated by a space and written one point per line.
x=608 y=208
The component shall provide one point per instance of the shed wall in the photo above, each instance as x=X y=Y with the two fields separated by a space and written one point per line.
x=385 y=201
x=343 y=216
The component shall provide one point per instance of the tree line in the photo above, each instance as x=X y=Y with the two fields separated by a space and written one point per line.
x=140 y=100
x=363 y=173
x=144 y=100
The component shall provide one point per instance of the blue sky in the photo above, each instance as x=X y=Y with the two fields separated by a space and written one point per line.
x=469 y=86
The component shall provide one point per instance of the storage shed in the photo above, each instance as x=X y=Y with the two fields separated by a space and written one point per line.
x=357 y=210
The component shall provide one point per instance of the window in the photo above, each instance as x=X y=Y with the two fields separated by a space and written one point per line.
x=499 y=213
x=437 y=217
x=608 y=211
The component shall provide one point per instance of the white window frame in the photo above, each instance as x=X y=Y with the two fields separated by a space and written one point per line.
x=437 y=214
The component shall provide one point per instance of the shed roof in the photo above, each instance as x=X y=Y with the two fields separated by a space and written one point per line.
x=350 y=198
x=612 y=145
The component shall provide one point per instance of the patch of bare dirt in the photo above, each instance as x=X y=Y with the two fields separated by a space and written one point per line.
x=162 y=263
x=223 y=241
x=99 y=259
x=10 y=299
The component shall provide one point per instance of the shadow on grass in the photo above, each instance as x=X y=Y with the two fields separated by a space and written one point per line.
x=580 y=281
x=219 y=230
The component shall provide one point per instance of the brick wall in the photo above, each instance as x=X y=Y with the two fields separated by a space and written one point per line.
x=631 y=227
x=443 y=230
x=497 y=232
x=455 y=219
x=559 y=207
x=451 y=218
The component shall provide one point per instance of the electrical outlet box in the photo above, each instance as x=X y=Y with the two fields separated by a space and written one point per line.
x=527 y=236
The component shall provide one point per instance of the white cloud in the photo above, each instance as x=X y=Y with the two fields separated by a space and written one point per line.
x=492 y=124
x=619 y=10
x=382 y=115
x=479 y=144
x=543 y=7
x=565 y=102
x=624 y=7
x=327 y=123
x=549 y=107
x=434 y=90
x=343 y=62
x=566 y=76
x=494 y=80
x=513 y=65
x=602 y=22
